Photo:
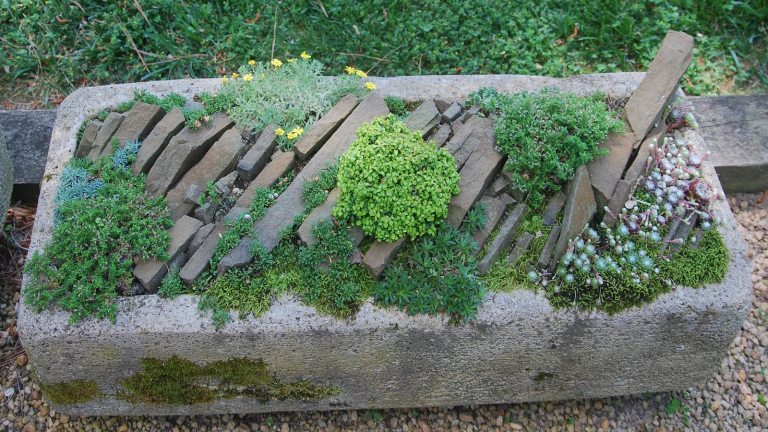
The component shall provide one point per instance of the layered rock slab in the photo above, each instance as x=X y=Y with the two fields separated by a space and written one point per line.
x=138 y=122
x=183 y=151
x=267 y=229
x=150 y=273
x=218 y=161
x=322 y=129
x=154 y=144
x=103 y=137
x=580 y=206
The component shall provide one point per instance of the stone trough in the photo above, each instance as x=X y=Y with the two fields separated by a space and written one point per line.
x=518 y=349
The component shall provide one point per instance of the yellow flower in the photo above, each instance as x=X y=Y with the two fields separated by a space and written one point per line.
x=370 y=86
x=247 y=77
x=251 y=62
x=279 y=131
x=235 y=75
x=360 y=73
x=224 y=80
x=291 y=60
x=295 y=133
x=276 y=63
x=305 y=56
x=350 y=70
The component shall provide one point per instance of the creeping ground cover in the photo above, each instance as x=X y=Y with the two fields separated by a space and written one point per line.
x=104 y=220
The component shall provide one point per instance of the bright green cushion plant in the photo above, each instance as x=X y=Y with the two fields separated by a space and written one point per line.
x=393 y=184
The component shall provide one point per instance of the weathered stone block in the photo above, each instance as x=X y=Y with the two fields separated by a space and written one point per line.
x=606 y=171
x=27 y=135
x=536 y=353
x=580 y=206
x=379 y=255
x=101 y=144
x=89 y=135
x=494 y=210
x=503 y=239
x=320 y=213
x=138 y=122
x=424 y=118
x=441 y=135
x=150 y=273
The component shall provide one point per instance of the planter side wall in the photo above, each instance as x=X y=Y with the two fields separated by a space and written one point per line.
x=519 y=349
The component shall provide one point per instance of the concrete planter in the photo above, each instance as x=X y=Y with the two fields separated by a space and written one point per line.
x=519 y=349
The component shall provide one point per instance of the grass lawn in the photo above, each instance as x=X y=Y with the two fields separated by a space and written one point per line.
x=47 y=50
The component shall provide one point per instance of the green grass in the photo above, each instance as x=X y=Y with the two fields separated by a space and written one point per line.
x=46 y=51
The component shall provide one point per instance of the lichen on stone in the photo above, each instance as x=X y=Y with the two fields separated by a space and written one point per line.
x=177 y=381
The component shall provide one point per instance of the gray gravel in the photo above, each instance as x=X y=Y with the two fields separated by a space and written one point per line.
x=733 y=400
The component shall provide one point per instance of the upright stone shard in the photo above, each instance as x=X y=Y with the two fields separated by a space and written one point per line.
x=268 y=228
x=154 y=144
x=322 y=129
x=150 y=273
x=620 y=196
x=545 y=257
x=200 y=260
x=452 y=112
x=199 y=238
x=138 y=122
x=503 y=238
x=322 y=212
x=647 y=103
x=89 y=136
x=462 y=131
x=579 y=209
x=639 y=165
x=104 y=136
x=424 y=118
x=606 y=171
x=259 y=154
x=494 y=210
x=183 y=151
x=379 y=255
x=217 y=162
x=481 y=168
x=553 y=208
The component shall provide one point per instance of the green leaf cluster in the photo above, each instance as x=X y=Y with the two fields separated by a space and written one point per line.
x=167 y=103
x=316 y=190
x=547 y=135
x=435 y=274
x=97 y=236
x=394 y=184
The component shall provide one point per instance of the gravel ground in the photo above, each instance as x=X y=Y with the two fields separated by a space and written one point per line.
x=733 y=400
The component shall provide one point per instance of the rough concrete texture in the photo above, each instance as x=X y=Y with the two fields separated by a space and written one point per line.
x=27 y=135
x=518 y=349
x=6 y=179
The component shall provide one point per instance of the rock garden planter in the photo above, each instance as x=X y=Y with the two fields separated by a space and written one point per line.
x=339 y=262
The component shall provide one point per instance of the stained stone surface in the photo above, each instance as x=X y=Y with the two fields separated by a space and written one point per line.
x=640 y=163
x=199 y=261
x=183 y=151
x=518 y=349
x=579 y=208
x=441 y=135
x=553 y=208
x=647 y=102
x=154 y=144
x=503 y=239
x=379 y=255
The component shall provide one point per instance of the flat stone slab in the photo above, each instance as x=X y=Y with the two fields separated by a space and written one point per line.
x=27 y=135
x=322 y=212
x=259 y=154
x=379 y=255
x=138 y=122
x=424 y=118
x=150 y=273
x=494 y=210
x=735 y=130
x=580 y=206
x=606 y=171
x=102 y=143
x=535 y=353
x=503 y=239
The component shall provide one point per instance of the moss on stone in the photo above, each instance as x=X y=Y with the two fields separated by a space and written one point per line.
x=696 y=267
x=71 y=392
x=178 y=381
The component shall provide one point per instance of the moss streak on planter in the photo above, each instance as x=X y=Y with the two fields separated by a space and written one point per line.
x=519 y=348
x=72 y=392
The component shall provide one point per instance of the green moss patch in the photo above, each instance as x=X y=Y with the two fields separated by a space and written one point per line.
x=72 y=392
x=696 y=267
x=178 y=381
